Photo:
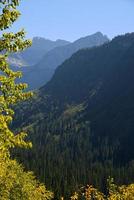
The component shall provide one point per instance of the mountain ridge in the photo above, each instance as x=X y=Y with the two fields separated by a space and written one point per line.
x=32 y=55
x=43 y=71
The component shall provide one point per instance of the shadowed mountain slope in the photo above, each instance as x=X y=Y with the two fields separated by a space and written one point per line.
x=82 y=121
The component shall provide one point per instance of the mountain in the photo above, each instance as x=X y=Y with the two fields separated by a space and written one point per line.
x=37 y=75
x=81 y=122
x=40 y=46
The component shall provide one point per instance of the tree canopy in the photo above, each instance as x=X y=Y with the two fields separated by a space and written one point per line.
x=15 y=183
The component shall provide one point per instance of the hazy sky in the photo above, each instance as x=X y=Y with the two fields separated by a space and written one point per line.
x=71 y=19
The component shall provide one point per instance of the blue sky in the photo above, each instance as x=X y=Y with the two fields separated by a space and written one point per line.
x=72 y=19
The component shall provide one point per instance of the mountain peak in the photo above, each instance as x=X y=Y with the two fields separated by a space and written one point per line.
x=95 y=39
x=98 y=33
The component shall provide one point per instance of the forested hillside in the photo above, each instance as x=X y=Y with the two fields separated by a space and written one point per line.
x=81 y=122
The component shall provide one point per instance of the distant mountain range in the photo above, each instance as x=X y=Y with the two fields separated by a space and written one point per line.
x=37 y=75
x=81 y=122
x=31 y=56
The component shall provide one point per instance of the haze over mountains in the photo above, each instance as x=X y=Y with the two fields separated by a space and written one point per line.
x=81 y=122
x=48 y=60
x=32 y=55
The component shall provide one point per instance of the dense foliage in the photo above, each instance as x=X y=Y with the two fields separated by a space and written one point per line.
x=15 y=183
x=114 y=192
x=81 y=122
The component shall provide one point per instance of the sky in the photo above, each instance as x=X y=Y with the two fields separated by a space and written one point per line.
x=72 y=19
